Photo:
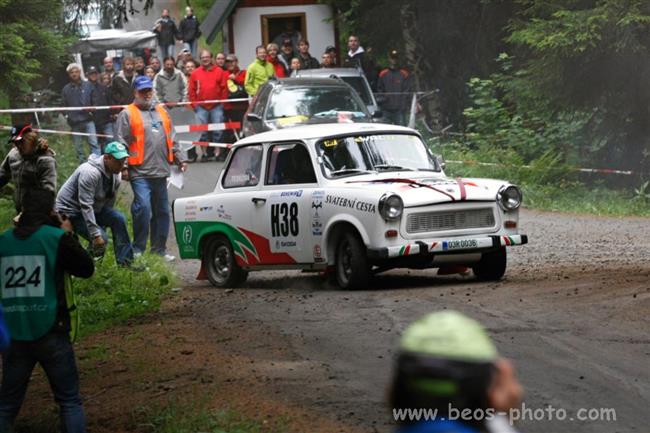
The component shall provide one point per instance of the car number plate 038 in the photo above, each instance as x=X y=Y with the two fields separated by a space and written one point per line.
x=461 y=244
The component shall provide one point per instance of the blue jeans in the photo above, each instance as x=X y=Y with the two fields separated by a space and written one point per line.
x=151 y=213
x=166 y=51
x=215 y=115
x=88 y=128
x=106 y=129
x=109 y=217
x=192 y=46
x=55 y=354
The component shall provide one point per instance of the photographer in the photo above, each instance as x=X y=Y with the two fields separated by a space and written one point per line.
x=448 y=366
x=29 y=164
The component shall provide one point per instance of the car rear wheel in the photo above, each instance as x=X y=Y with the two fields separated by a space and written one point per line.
x=352 y=268
x=220 y=264
x=492 y=265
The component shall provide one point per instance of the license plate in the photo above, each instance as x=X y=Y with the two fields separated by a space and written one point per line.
x=460 y=244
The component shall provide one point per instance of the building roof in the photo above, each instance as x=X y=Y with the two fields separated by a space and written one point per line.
x=307 y=132
x=216 y=18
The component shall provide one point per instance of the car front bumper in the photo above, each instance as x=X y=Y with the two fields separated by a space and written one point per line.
x=447 y=246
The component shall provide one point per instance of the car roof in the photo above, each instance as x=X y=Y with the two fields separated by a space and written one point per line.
x=309 y=81
x=326 y=72
x=307 y=132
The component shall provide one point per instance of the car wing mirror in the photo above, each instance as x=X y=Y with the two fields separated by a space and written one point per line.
x=441 y=161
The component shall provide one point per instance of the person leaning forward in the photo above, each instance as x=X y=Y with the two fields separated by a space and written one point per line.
x=29 y=164
x=87 y=198
x=35 y=257
x=147 y=130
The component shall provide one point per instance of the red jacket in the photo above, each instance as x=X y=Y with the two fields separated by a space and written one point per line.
x=278 y=66
x=207 y=85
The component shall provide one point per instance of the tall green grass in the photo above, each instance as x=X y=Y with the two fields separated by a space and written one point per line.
x=113 y=294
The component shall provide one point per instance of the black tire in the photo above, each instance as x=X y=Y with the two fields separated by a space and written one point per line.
x=492 y=265
x=220 y=264
x=352 y=270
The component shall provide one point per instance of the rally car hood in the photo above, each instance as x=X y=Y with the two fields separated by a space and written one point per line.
x=425 y=188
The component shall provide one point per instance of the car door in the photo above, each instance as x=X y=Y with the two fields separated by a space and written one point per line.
x=239 y=185
x=283 y=211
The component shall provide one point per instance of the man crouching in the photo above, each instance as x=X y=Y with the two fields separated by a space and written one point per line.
x=88 y=197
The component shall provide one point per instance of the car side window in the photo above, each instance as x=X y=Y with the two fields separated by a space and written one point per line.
x=245 y=167
x=289 y=164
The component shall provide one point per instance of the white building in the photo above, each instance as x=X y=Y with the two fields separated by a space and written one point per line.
x=249 y=23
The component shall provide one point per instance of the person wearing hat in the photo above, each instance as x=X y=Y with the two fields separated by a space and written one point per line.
x=77 y=94
x=100 y=96
x=331 y=50
x=287 y=53
x=35 y=258
x=87 y=198
x=396 y=84
x=147 y=131
x=29 y=164
x=447 y=364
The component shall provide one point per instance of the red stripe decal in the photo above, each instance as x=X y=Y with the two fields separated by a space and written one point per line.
x=461 y=186
x=406 y=250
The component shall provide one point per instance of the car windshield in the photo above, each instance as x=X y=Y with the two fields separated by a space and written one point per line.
x=359 y=85
x=314 y=102
x=375 y=153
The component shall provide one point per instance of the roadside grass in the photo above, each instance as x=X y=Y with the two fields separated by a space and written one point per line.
x=113 y=294
x=196 y=416
x=546 y=183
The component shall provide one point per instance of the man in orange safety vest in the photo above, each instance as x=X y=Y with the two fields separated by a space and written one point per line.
x=146 y=129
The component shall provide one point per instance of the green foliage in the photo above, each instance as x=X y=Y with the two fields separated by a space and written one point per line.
x=31 y=42
x=547 y=183
x=182 y=417
x=590 y=57
x=495 y=120
x=115 y=294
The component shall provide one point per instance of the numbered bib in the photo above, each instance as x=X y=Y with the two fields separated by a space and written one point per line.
x=22 y=277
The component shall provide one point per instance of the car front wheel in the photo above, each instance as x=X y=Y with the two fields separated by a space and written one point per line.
x=352 y=268
x=220 y=264
x=492 y=265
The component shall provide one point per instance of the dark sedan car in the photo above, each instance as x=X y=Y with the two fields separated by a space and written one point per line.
x=300 y=101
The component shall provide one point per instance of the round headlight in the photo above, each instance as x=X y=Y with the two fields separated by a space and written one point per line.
x=510 y=197
x=391 y=206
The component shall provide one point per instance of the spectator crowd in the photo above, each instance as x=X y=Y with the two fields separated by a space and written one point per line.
x=199 y=75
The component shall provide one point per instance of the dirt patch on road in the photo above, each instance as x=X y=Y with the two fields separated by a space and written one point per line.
x=172 y=358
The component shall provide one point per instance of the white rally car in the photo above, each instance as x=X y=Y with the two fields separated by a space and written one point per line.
x=349 y=199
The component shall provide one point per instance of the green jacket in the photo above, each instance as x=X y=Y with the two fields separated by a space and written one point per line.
x=257 y=74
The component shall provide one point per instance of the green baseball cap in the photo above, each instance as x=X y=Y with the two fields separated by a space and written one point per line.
x=116 y=149
x=449 y=335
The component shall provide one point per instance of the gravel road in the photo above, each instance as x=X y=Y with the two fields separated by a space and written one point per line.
x=572 y=313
